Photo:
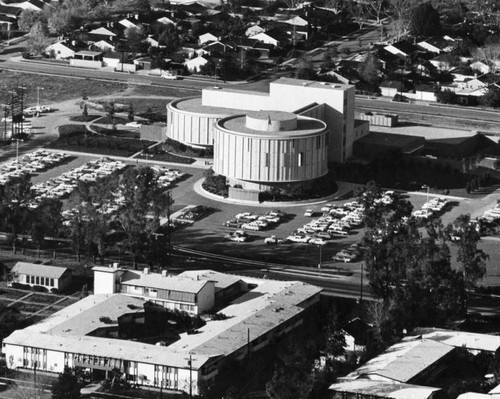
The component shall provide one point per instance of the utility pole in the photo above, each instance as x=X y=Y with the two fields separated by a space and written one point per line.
x=361 y=284
x=22 y=88
x=38 y=88
x=190 y=377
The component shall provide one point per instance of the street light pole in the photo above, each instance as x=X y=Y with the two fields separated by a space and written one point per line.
x=38 y=88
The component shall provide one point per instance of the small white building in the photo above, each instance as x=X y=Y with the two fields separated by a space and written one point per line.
x=50 y=277
x=127 y=23
x=265 y=38
x=165 y=21
x=104 y=45
x=61 y=50
x=194 y=64
x=254 y=30
x=206 y=38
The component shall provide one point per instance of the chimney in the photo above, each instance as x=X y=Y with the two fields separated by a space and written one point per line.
x=137 y=17
x=146 y=270
x=115 y=265
x=164 y=273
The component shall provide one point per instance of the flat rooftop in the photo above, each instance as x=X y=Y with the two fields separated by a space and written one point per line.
x=428 y=132
x=310 y=83
x=402 y=361
x=382 y=389
x=195 y=105
x=304 y=127
x=258 y=311
x=459 y=339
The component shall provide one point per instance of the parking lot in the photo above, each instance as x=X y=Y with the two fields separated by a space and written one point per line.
x=207 y=234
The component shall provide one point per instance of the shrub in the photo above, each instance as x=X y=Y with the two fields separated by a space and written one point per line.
x=106 y=320
x=39 y=288
x=54 y=291
x=21 y=286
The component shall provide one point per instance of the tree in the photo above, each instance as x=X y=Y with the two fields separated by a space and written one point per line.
x=376 y=8
x=491 y=98
x=67 y=385
x=136 y=37
x=85 y=111
x=170 y=39
x=292 y=377
x=466 y=236
x=139 y=217
x=447 y=96
x=357 y=10
x=29 y=18
x=38 y=39
x=370 y=69
x=131 y=112
x=425 y=20
x=305 y=69
x=335 y=338
x=489 y=54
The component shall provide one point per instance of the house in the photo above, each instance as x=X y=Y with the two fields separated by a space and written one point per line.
x=444 y=62
x=6 y=23
x=194 y=65
x=254 y=30
x=127 y=23
x=153 y=41
x=36 y=5
x=265 y=38
x=102 y=33
x=104 y=45
x=367 y=389
x=424 y=92
x=438 y=45
x=207 y=38
x=220 y=47
x=118 y=61
x=87 y=59
x=166 y=21
x=296 y=21
x=50 y=277
x=389 y=88
x=9 y=11
x=64 y=49
x=407 y=362
x=480 y=66
x=402 y=48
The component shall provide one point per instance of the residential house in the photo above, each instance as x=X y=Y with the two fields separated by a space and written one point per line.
x=480 y=67
x=444 y=62
x=35 y=5
x=102 y=33
x=389 y=88
x=118 y=61
x=207 y=38
x=266 y=38
x=104 y=45
x=220 y=47
x=153 y=41
x=61 y=50
x=127 y=23
x=438 y=45
x=166 y=21
x=7 y=23
x=424 y=92
x=194 y=65
x=254 y=30
x=50 y=277
x=402 y=48
x=9 y=11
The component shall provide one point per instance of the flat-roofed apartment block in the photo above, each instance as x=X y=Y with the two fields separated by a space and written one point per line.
x=113 y=330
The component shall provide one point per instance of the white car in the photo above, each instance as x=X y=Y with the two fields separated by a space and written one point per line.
x=251 y=226
x=309 y=213
x=317 y=241
x=169 y=76
x=422 y=213
x=133 y=124
x=273 y=240
x=298 y=238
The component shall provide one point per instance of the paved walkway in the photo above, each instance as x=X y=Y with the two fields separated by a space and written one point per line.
x=343 y=191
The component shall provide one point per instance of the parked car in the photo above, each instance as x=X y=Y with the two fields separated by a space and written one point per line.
x=233 y=223
x=317 y=241
x=169 y=76
x=298 y=238
x=273 y=240
x=133 y=124
x=309 y=213
x=251 y=226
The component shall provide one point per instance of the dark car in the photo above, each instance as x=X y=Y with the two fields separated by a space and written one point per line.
x=233 y=223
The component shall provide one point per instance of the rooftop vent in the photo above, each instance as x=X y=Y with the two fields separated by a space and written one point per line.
x=146 y=270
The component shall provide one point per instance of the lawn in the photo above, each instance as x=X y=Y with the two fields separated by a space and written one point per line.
x=55 y=88
x=129 y=134
x=12 y=294
x=110 y=120
x=167 y=157
x=44 y=299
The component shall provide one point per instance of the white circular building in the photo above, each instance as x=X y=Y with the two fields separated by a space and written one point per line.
x=192 y=123
x=265 y=149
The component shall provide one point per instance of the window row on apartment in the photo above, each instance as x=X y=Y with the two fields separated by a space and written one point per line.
x=37 y=280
